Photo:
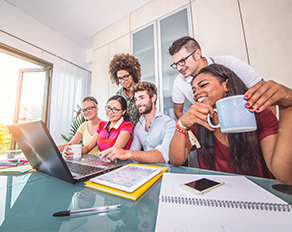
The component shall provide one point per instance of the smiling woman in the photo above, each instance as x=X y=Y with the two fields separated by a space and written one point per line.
x=125 y=70
x=265 y=152
x=88 y=128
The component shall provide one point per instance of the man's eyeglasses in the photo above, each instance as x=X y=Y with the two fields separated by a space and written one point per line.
x=114 y=110
x=182 y=62
x=88 y=109
x=125 y=77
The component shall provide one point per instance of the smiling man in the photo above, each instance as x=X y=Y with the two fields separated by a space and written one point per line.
x=188 y=60
x=152 y=133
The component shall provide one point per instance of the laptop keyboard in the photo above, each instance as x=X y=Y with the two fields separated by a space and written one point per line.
x=82 y=169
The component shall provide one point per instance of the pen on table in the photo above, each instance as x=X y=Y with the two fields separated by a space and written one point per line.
x=8 y=164
x=11 y=163
x=96 y=209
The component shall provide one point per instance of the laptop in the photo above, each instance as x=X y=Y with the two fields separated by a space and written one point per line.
x=37 y=145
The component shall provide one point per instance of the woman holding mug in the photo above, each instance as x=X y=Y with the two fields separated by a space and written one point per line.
x=116 y=132
x=87 y=129
x=263 y=153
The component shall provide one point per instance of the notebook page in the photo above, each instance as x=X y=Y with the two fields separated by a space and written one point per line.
x=182 y=217
x=235 y=188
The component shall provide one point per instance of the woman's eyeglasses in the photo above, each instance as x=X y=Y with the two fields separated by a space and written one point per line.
x=114 y=110
x=88 y=109
x=124 y=78
x=182 y=62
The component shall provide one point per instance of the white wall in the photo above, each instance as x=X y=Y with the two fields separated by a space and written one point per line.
x=258 y=31
x=23 y=26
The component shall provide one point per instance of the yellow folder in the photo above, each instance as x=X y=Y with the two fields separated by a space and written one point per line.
x=133 y=195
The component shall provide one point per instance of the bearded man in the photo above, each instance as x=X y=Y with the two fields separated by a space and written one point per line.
x=152 y=134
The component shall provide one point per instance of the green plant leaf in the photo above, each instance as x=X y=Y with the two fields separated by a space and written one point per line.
x=74 y=127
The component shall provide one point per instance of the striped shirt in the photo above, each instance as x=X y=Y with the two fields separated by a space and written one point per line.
x=108 y=137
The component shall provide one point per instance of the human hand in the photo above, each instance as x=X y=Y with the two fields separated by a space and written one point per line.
x=113 y=154
x=198 y=113
x=66 y=152
x=267 y=93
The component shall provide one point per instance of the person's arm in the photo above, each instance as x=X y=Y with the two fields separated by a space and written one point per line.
x=181 y=91
x=75 y=140
x=158 y=155
x=123 y=139
x=179 y=149
x=180 y=145
x=178 y=110
x=277 y=150
x=92 y=143
x=153 y=156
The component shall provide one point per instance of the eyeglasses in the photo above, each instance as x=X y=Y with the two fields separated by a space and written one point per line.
x=125 y=77
x=114 y=110
x=88 y=109
x=182 y=62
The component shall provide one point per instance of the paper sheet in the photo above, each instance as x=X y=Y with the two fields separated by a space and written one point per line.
x=182 y=217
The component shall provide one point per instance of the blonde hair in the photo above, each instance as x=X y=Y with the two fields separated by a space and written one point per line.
x=86 y=99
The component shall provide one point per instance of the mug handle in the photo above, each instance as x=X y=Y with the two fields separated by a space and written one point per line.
x=210 y=123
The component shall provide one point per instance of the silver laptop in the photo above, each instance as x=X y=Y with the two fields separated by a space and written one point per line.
x=37 y=145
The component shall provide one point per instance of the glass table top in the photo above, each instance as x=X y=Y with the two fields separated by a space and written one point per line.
x=28 y=202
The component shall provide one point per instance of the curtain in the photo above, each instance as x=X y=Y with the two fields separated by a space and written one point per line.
x=70 y=84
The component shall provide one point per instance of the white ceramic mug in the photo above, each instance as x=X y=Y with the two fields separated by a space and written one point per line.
x=76 y=149
x=233 y=116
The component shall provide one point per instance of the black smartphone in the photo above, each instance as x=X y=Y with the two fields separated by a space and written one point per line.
x=201 y=186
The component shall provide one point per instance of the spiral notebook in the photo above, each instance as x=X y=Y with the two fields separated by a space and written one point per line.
x=238 y=205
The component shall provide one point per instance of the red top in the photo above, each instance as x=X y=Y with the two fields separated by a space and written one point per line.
x=108 y=137
x=267 y=124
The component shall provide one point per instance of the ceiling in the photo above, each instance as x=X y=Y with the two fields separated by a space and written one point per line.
x=78 y=20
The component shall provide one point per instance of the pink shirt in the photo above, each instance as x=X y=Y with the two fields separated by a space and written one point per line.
x=108 y=137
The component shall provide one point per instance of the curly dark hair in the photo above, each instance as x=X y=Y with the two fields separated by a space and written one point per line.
x=188 y=42
x=124 y=62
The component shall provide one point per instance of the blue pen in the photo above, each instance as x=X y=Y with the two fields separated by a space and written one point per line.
x=8 y=164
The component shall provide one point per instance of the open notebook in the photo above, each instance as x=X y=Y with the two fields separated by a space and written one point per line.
x=234 y=206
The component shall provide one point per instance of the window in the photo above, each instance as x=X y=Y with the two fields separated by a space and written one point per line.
x=25 y=95
x=150 y=45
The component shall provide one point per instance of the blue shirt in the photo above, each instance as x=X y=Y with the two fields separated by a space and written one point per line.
x=158 y=137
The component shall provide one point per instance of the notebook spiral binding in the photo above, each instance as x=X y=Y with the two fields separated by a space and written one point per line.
x=227 y=204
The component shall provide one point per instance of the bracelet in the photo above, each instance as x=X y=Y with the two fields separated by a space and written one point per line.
x=188 y=133
x=178 y=122
x=180 y=129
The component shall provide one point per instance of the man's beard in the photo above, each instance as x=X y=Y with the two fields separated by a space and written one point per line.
x=148 y=108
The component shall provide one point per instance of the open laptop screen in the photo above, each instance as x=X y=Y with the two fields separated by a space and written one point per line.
x=34 y=140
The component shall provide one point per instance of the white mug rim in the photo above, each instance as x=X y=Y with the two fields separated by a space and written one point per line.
x=234 y=96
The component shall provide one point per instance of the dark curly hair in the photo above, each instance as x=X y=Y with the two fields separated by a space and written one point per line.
x=188 y=42
x=124 y=62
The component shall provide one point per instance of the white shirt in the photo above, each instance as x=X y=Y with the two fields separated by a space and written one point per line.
x=182 y=88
